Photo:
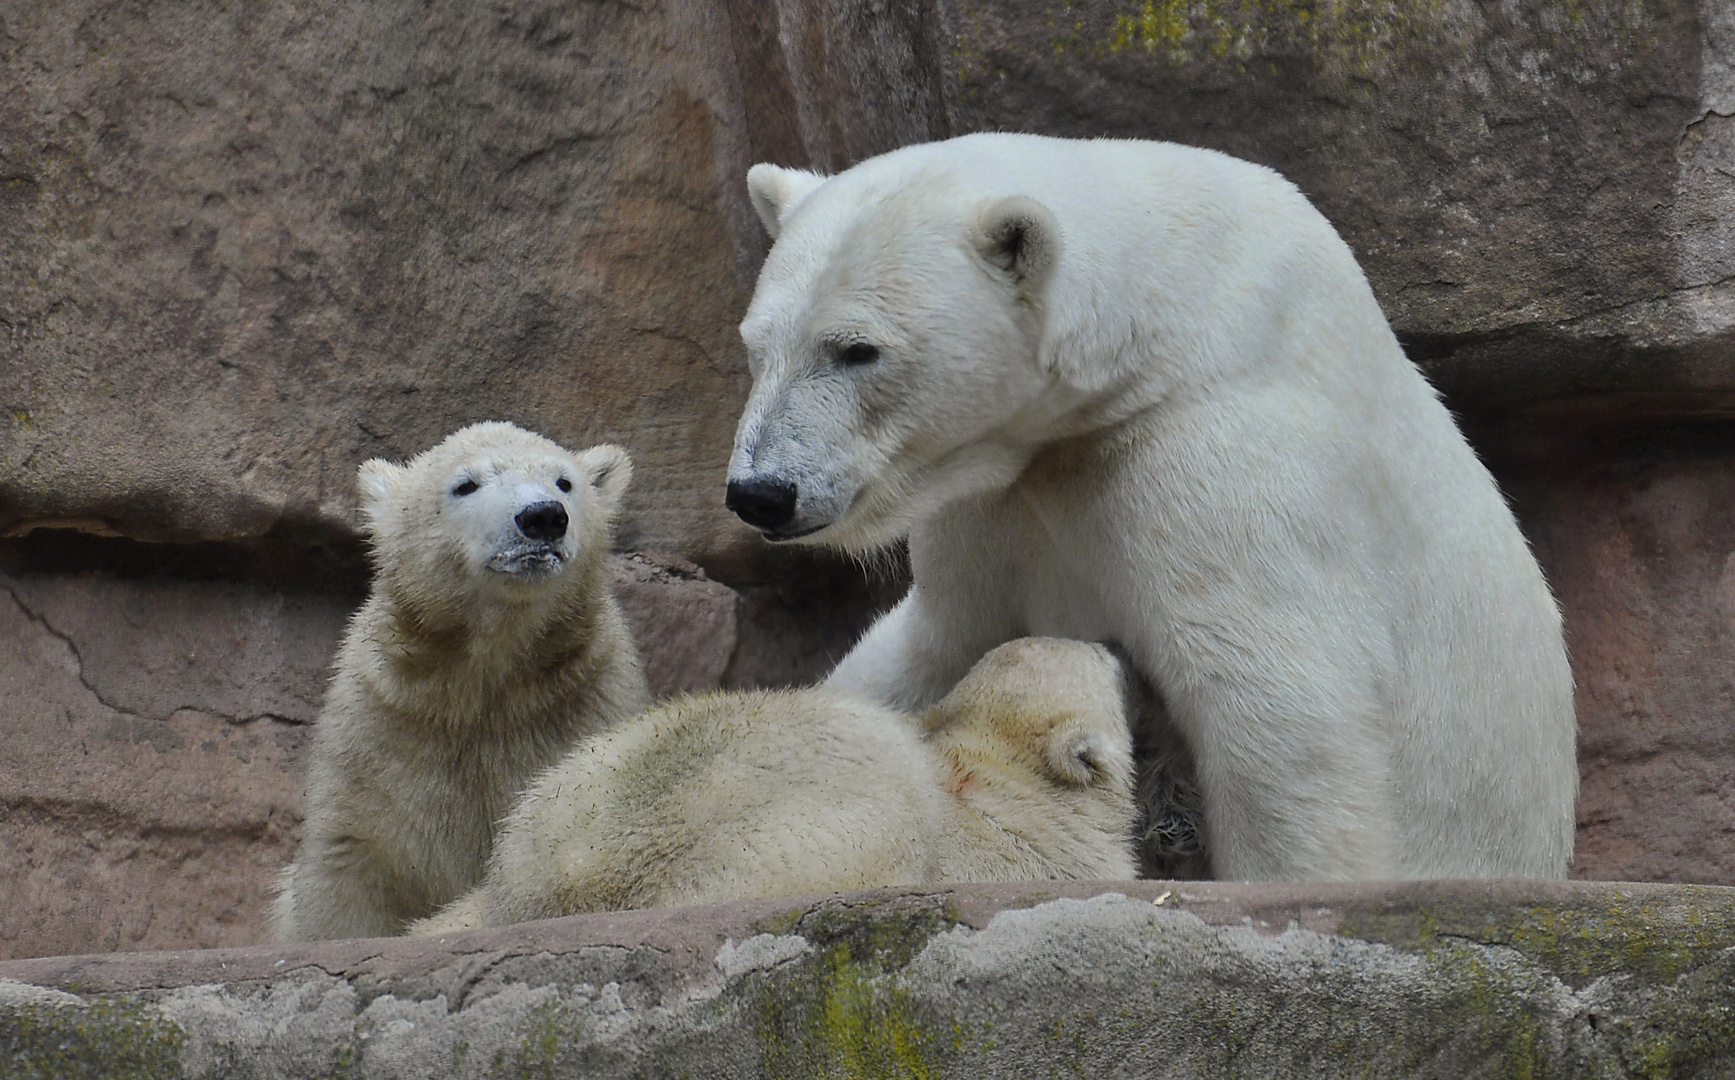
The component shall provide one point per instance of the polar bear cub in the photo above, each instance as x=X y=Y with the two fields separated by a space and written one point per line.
x=1023 y=772
x=1138 y=392
x=488 y=645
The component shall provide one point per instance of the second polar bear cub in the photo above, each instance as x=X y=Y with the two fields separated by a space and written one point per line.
x=1023 y=772
x=489 y=645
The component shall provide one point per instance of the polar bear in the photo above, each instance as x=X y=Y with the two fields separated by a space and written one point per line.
x=1133 y=391
x=488 y=646
x=1023 y=772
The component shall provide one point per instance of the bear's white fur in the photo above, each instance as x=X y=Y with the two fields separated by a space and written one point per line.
x=1138 y=392
x=1023 y=772
x=487 y=648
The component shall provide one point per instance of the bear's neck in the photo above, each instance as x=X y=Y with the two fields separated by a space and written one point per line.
x=494 y=668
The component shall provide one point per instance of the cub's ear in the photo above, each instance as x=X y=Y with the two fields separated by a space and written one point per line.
x=609 y=470
x=1079 y=758
x=376 y=481
x=775 y=191
x=1017 y=237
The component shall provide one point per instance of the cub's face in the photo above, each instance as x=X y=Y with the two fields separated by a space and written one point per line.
x=493 y=509
x=893 y=351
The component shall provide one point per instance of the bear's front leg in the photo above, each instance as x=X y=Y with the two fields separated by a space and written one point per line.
x=962 y=604
x=910 y=658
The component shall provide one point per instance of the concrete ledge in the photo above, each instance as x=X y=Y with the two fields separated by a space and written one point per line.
x=1444 y=979
x=1137 y=978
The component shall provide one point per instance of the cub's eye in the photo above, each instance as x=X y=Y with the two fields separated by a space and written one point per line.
x=465 y=488
x=857 y=353
x=563 y=484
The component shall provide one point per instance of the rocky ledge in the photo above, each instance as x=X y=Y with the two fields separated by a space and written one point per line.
x=1439 y=979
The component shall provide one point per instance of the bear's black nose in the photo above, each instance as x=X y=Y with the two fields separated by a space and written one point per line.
x=542 y=521
x=763 y=504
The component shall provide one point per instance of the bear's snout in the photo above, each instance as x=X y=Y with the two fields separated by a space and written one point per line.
x=545 y=521
x=763 y=504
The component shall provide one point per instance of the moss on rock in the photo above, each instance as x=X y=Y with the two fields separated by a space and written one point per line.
x=114 y=1038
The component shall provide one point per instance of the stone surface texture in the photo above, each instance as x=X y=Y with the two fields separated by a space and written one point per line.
x=1540 y=193
x=151 y=778
x=685 y=624
x=1637 y=531
x=1462 y=980
x=243 y=249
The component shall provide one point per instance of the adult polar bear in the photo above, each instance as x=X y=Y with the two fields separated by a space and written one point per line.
x=1140 y=392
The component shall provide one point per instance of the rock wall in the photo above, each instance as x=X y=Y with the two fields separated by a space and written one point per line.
x=243 y=248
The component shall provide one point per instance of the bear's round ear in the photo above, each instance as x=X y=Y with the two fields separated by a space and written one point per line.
x=1078 y=758
x=375 y=480
x=1017 y=237
x=775 y=191
x=608 y=470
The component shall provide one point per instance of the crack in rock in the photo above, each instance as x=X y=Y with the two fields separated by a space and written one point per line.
x=40 y=619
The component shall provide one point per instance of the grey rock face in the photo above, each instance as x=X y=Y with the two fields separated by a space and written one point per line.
x=1427 y=980
x=1533 y=189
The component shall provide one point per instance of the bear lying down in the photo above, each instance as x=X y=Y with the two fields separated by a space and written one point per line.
x=1024 y=771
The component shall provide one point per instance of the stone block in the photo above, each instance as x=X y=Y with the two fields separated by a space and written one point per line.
x=1535 y=190
x=151 y=742
x=683 y=622
x=244 y=249
x=1458 y=979
x=1635 y=528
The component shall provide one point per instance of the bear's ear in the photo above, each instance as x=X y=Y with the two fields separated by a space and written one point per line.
x=1078 y=758
x=1017 y=237
x=608 y=469
x=375 y=480
x=776 y=190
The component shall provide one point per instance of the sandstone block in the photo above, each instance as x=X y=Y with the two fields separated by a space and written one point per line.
x=150 y=776
x=683 y=622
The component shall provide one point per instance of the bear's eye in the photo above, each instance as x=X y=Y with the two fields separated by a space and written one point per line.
x=465 y=488
x=563 y=484
x=857 y=353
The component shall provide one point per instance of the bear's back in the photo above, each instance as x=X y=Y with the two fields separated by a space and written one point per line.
x=716 y=795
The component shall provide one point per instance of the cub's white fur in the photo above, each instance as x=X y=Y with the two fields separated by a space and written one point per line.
x=1023 y=772
x=1140 y=392
x=488 y=646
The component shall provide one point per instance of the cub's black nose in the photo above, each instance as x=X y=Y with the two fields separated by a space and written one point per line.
x=542 y=521
x=763 y=504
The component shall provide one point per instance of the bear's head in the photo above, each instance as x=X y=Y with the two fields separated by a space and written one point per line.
x=493 y=514
x=893 y=340
x=1040 y=724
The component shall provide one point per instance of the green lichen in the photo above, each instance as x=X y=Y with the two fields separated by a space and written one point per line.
x=841 y=1013
x=551 y=1027
x=838 y=1018
x=1672 y=962
x=119 y=1038
x=1686 y=1028
x=886 y=930
x=1354 y=37
x=1581 y=940
x=1343 y=42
